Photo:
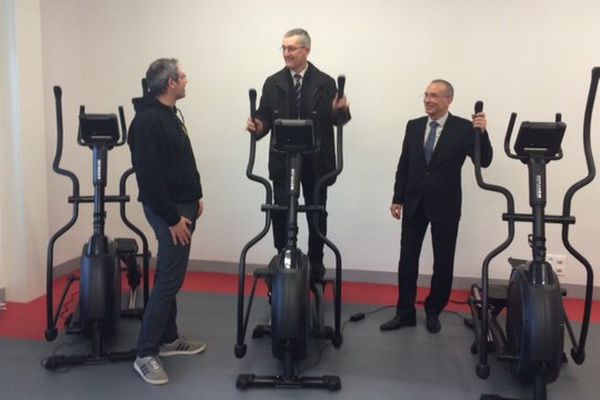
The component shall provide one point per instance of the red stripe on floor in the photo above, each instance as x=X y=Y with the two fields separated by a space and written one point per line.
x=28 y=320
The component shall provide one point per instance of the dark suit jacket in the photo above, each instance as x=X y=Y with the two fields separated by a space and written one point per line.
x=318 y=92
x=437 y=185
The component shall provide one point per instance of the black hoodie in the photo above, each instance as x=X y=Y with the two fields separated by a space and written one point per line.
x=163 y=159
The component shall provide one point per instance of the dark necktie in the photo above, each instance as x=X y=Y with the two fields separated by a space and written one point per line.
x=297 y=92
x=430 y=142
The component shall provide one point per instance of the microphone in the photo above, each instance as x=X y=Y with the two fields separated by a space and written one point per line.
x=252 y=95
x=341 y=81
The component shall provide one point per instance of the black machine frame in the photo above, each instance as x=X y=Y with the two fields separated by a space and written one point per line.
x=533 y=339
x=101 y=264
x=287 y=273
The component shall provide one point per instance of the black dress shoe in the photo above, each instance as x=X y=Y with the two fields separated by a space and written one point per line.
x=398 y=322
x=433 y=324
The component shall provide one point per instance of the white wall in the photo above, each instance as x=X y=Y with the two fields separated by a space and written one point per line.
x=530 y=57
x=6 y=117
x=62 y=46
x=23 y=195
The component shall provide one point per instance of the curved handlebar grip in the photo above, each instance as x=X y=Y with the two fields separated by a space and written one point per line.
x=123 y=127
x=57 y=92
x=252 y=95
x=341 y=82
x=595 y=72
x=507 y=137
x=478 y=106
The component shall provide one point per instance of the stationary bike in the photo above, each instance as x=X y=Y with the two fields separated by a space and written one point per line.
x=533 y=337
x=296 y=302
x=102 y=260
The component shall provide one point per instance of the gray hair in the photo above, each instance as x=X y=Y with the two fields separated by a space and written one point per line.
x=158 y=75
x=449 y=88
x=304 y=36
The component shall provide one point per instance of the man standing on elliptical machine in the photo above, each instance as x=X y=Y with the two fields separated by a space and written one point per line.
x=295 y=92
x=171 y=194
x=428 y=191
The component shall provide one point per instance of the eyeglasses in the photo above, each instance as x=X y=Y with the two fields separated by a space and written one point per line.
x=290 y=49
x=433 y=96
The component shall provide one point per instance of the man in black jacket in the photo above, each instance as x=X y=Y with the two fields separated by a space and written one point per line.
x=295 y=92
x=427 y=191
x=171 y=194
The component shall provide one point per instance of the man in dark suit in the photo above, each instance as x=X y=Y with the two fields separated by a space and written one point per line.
x=427 y=191
x=296 y=92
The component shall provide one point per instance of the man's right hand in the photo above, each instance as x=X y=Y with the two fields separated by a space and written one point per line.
x=255 y=126
x=181 y=232
x=396 y=210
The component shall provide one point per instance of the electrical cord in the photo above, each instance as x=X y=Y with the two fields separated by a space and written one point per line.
x=353 y=318
x=362 y=315
x=62 y=370
x=321 y=352
x=359 y=316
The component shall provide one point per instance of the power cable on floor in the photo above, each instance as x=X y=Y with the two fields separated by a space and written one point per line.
x=353 y=318
x=361 y=315
x=56 y=349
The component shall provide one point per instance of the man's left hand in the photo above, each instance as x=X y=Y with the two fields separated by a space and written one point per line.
x=479 y=122
x=339 y=104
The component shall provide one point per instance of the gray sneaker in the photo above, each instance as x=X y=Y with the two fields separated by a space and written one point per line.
x=181 y=345
x=151 y=370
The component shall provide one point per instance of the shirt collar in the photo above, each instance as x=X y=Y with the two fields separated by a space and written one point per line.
x=301 y=73
x=440 y=121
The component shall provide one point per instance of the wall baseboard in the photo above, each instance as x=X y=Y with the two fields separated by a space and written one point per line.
x=380 y=277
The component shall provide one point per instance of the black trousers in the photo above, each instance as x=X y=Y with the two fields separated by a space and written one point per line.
x=315 y=243
x=443 y=236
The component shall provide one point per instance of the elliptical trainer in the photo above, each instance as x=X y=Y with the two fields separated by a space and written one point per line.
x=533 y=338
x=100 y=268
x=296 y=316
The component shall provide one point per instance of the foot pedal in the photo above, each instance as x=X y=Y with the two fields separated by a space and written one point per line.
x=126 y=246
x=498 y=296
x=262 y=272
x=260 y=331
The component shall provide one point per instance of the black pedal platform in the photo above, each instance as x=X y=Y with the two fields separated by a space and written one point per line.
x=260 y=331
x=323 y=332
x=262 y=272
x=126 y=245
x=498 y=292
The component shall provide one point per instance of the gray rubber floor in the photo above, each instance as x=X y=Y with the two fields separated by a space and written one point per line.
x=406 y=364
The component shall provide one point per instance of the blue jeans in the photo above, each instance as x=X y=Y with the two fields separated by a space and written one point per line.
x=158 y=324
